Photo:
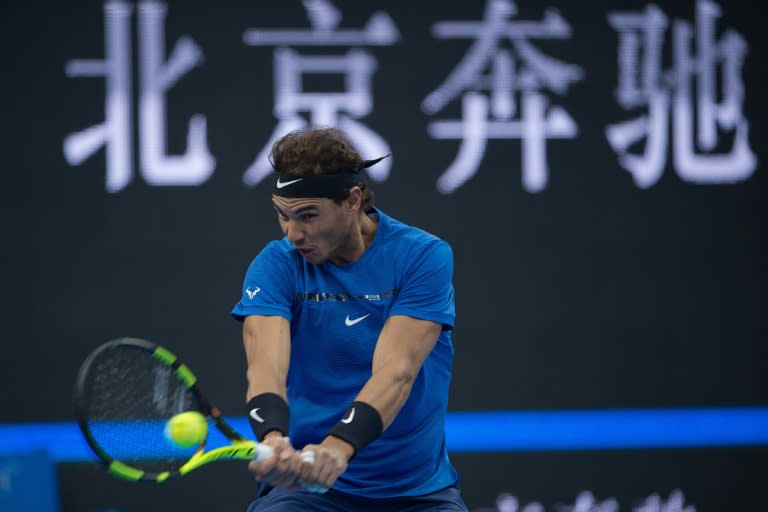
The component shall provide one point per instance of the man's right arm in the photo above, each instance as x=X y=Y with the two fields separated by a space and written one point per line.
x=267 y=343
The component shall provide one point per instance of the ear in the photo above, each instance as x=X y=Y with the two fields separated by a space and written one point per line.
x=354 y=201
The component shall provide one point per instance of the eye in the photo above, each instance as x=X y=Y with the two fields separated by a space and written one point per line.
x=306 y=217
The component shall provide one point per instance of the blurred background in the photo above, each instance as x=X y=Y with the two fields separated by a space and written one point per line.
x=598 y=168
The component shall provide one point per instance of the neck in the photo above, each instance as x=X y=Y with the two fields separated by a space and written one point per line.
x=357 y=243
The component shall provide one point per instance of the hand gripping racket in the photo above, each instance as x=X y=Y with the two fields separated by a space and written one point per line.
x=126 y=391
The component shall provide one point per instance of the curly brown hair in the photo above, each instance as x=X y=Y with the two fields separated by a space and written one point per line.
x=319 y=151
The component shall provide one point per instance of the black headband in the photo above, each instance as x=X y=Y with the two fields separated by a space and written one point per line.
x=319 y=185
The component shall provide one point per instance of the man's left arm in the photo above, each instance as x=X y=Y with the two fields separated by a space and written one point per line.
x=403 y=345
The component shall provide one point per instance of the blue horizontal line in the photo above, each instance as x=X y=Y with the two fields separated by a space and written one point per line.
x=496 y=431
x=607 y=429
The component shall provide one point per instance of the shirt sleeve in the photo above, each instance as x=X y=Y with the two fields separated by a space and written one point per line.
x=268 y=287
x=426 y=291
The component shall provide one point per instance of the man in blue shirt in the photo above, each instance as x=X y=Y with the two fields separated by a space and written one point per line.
x=346 y=328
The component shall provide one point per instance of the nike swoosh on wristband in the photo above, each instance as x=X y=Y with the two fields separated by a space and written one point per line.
x=350 y=323
x=348 y=419
x=255 y=415
x=281 y=184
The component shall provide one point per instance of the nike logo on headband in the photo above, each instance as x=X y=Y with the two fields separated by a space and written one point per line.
x=281 y=184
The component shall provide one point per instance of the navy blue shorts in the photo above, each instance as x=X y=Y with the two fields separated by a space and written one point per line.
x=280 y=500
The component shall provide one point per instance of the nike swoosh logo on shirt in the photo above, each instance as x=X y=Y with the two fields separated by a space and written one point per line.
x=350 y=323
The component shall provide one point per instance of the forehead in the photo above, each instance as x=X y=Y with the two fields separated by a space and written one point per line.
x=294 y=204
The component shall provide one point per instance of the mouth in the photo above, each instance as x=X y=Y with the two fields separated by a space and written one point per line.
x=305 y=252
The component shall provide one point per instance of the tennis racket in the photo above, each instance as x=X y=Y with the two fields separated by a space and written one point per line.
x=126 y=391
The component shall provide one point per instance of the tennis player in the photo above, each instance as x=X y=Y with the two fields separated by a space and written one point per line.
x=347 y=331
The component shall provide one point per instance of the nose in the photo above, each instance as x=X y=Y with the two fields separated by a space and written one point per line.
x=294 y=234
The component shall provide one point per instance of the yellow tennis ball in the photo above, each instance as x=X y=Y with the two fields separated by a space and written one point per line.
x=187 y=429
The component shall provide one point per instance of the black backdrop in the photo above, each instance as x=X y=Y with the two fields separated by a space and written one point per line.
x=592 y=293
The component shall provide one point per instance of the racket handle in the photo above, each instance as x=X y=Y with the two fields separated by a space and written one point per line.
x=263 y=451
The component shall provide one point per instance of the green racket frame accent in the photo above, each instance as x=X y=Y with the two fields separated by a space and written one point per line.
x=125 y=471
x=165 y=355
x=186 y=375
x=182 y=370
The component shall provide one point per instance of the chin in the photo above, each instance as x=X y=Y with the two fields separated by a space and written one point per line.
x=313 y=257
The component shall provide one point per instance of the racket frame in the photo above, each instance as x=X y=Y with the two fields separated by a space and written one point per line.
x=241 y=448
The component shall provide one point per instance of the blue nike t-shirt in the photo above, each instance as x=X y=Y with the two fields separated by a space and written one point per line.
x=336 y=313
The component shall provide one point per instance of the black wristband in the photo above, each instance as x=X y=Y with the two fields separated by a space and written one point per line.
x=268 y=411
x=360 y=426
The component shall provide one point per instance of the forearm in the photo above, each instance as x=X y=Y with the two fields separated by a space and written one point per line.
x=267 y=347
x=262 y=380
x=400 y=352
x=403 y=345
x=387 y=390
x=266 y=341
x=372 y=411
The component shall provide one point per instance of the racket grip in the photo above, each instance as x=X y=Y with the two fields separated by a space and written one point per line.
x=263 y=451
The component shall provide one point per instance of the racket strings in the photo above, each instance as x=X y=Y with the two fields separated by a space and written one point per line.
x=131 y=395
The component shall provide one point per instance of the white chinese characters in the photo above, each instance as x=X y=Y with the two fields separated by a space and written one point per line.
x=490 y=105
x=685 y=115
x=156 y=77
x=668 y=97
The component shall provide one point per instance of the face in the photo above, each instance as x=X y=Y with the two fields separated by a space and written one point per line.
x=319 y=228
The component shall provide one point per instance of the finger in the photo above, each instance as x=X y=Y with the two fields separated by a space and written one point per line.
x=326 y=474
x=308 y=457
x=262 y=468
x=306 y=463
x=329 y=469
x=291 y=464
x=286 y=481
x=282 y=472
x=307 y=469
x=307 y=466
x=280 y=478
